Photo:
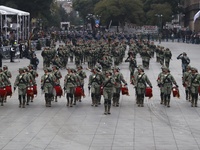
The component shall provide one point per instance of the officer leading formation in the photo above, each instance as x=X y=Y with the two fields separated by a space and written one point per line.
x=105 y=81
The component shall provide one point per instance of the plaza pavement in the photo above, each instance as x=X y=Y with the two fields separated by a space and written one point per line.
x=83 y=127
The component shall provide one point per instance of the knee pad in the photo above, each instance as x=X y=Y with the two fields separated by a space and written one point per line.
x=46 y=95
x=106 y=101
x=109 y=102
x=92 y=95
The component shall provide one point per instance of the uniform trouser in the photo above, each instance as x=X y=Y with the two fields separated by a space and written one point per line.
x=107 y=94
x=22 y=99
x=194 y=98
x=167 y=99
x=188 y=93
x=95 y=98
x=116 y=97
x=69 y=98
x=167 y=64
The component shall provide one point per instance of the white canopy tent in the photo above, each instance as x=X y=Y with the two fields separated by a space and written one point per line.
x=23 y=21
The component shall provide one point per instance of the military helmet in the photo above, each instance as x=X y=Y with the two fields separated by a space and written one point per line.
x=25 y=68
x=194 y=69
x=5 y=66
x=109 y=72
x=21 y=69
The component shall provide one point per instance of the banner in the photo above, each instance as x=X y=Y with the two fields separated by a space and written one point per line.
x=197 y=15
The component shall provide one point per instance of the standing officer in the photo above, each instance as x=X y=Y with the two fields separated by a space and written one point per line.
x=22 y=82
x=118 y=76
x=194 y=85
x=166 y=81
x=69 y=86
x=108 y=84
x=140 y=85
x=47 y=84
x=185 y=61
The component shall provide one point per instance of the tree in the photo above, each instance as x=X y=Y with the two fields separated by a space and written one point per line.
x=120 y=11
x=157 y=10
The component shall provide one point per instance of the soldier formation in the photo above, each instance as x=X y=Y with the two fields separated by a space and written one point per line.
x=103 y=58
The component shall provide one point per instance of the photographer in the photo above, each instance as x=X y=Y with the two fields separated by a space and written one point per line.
x=185 y=61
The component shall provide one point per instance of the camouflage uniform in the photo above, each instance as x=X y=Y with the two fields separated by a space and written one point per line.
x=108 y=85
x=95 y=82
x=4 y=81
x=57 y=75
x=160 y=85
x=69 y=86
x=22 y=82
x=118 y=76
x=194 y=83
x=166 y=81
x=132 y=65
x=47 y=85
x=140 y=86
x=167 y=57
x=82 y=76
x=185 y=81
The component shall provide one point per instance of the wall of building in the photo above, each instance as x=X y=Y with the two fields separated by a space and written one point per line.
x=191 y=8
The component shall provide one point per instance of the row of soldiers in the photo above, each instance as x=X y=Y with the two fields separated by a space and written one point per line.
x=89 y=52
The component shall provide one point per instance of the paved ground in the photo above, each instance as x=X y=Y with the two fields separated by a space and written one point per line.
x=153 y=127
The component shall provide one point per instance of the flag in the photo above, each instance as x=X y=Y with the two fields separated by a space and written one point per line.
x=197 y=15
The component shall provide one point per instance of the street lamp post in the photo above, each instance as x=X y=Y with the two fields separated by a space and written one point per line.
x=159 y=26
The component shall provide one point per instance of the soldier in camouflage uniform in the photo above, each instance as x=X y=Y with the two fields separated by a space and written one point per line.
x=161 y=55
x=9 y=76
x=22 y=82
x=185 y=81
x=119 y=78
x=69 y=86
x=194 y=83
x=146 y=56
x=47 y=85
x=108 y=85
x=167 y=57
x=46 y=57
x=82 y=76
x=34 y=74
x=167 y=80
x=160 y=85
x=32 y=82
x=106 y=63
x=132 y=64
x=95 y=82
x=4 y=81
x=140 y=84
x=57 y=75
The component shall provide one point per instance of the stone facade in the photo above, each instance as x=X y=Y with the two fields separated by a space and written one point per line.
x=191 y=8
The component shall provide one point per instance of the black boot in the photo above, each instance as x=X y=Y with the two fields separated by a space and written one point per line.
x=106 y=111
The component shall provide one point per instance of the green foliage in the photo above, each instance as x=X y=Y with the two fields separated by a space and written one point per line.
x=119 y=11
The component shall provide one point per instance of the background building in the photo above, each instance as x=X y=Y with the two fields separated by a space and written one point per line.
x=191 y=8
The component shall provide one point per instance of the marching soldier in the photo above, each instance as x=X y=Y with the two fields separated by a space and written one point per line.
x=185 y=81
x=118 y=76
x=167 y=81
x=160 y=85
x=57 y=74
x=146 y=56
x=194 y=85
x=82 y=76
x=9 y=76
x=47 y=84
x=95 y=82
x=69 y=86
x=32 y=82
x=132 y=64
x=167 y=57
x=108 y=84
x=22 y=82
x=4 y=81
x=34 y=75
x=140 y=86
